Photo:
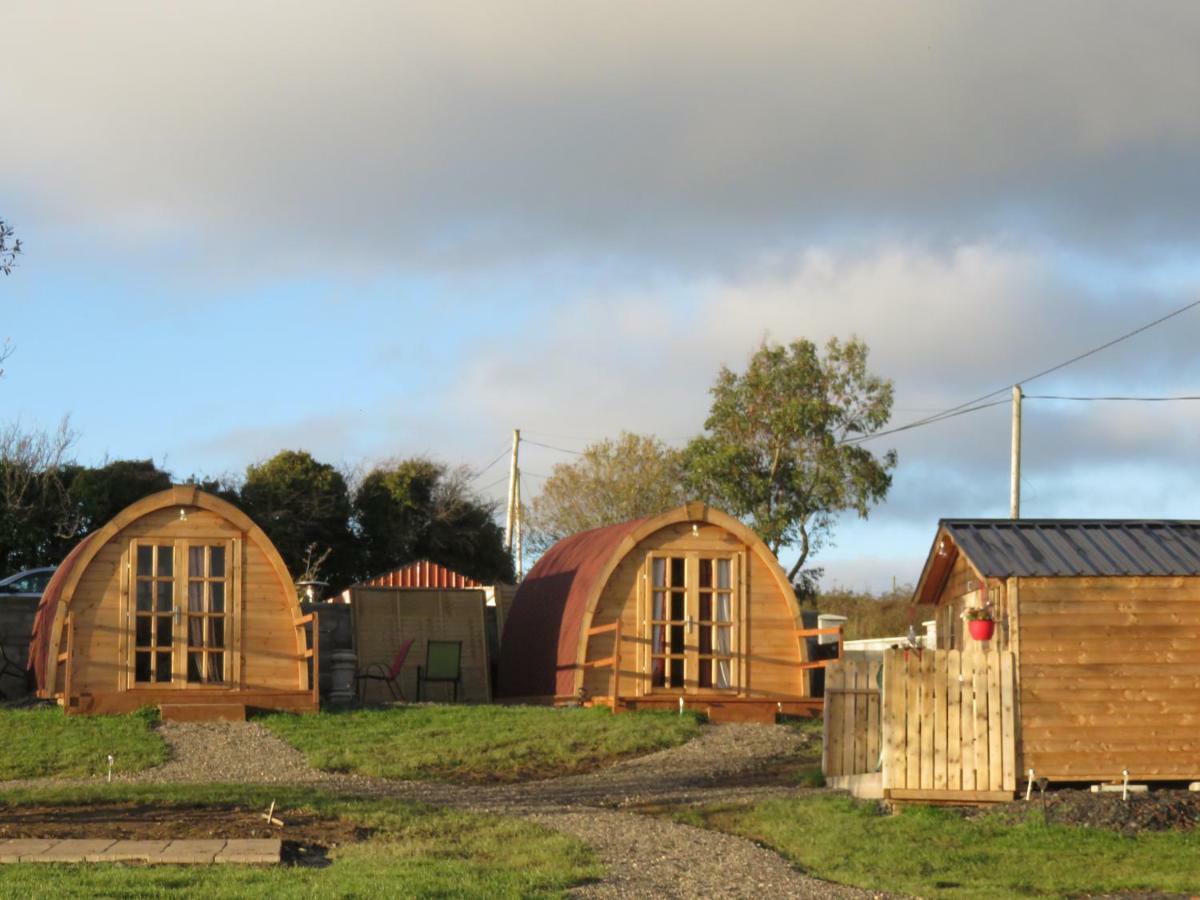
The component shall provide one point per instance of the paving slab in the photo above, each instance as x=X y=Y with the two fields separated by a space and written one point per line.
x=129 y=851
x=251 y=851
x=74 y=850
x=23 y=849
x=189 y=852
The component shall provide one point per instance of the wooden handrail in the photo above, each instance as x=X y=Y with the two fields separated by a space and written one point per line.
x=315 y=652
x=802 y=633
x=614 y=660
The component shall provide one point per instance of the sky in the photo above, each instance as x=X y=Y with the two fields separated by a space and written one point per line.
x=373 y=230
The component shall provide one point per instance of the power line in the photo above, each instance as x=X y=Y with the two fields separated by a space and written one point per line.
x=1118 y=398
x=499 y=457
x=549 y=447
x=958 y=411
x=954 y=410
x=493 y=484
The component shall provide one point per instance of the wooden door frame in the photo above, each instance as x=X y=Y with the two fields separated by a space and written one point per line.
x=179 y=633
x=691 y=656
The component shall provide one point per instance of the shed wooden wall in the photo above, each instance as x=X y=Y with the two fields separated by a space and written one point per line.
x=1109 y=672
x=269 y=652
x=768 y=648
x=386 y=617
x=966 y=588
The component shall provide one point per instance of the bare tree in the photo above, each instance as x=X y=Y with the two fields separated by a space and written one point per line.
x=10 y=247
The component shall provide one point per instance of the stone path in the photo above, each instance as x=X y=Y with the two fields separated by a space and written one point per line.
x=99 y=850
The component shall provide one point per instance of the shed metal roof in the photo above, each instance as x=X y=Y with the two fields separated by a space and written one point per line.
x=422 y=574
x=1001 y=548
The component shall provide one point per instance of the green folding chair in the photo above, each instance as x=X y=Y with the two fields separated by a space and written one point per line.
x=443 y=662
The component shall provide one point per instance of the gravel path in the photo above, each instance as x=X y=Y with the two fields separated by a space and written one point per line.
x=643 y=855
x=241 y=752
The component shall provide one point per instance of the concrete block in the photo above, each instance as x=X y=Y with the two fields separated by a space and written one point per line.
x=129 y=851
x=23 y=849
x=189 y=852
x=74 y=850
x=251 y=851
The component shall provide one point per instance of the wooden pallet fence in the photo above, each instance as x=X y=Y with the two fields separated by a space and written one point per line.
x=949 y=725
x=852 y=716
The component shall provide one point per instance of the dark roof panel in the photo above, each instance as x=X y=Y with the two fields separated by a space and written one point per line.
x=1001 y=548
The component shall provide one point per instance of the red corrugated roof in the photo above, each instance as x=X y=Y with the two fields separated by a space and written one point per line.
x=543 y=630
x=423 y=574
x=39 y=643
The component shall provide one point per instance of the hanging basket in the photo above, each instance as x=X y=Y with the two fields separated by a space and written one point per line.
x=981 y=629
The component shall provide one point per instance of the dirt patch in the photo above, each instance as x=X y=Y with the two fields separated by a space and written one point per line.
x=1158 y=810
x=306 y=838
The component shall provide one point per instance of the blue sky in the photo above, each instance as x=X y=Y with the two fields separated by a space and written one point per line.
x=397 y=230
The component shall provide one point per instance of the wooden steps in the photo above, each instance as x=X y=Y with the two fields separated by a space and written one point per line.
x=202 y=712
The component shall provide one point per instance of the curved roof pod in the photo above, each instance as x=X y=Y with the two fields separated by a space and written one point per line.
x=48 y=641
x=545 y=644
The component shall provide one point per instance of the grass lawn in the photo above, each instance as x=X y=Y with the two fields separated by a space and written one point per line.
x=477 y=743
x=934 y=852
x=43 y=741
x=414 y=851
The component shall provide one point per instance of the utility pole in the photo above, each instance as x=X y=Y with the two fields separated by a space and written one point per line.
x=510 y=515
x=1015 y=487
x=519 y=535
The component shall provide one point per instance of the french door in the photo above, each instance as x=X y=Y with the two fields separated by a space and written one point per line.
x=693 y=622
x=182 y=610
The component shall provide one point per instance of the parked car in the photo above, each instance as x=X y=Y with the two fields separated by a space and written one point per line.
x=27 y=583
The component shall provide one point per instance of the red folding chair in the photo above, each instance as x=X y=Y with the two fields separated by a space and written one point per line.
x=390 y=676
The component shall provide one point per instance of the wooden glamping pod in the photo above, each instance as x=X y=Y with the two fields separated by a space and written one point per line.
x=180 y=602
x=1092 y=672
x=686 y=605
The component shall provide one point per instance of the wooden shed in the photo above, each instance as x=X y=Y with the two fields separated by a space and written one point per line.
x=689 y=605
x=1093 y=670
x=180 y=602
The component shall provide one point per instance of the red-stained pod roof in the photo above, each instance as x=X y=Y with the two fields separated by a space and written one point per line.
x=543 y=630
x=39 y=644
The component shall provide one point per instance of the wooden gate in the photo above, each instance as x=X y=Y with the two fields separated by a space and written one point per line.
x=853 y=733
x=948 y=725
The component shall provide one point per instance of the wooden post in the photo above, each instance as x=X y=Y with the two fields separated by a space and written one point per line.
x=616 y=683
x=512 y=491
x=316 y=658
x=517 y=529
x=1015 y=486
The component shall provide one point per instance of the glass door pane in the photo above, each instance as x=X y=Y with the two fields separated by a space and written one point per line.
x=668 y=622
x=153 y=614
x=206 y=593
x=714 y=619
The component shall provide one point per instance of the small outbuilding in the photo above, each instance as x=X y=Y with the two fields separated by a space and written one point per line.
x=686 y=606
x=422 y=602
x=1091 y=672
x=180 y=602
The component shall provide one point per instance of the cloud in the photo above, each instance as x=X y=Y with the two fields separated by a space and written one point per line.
x=294 y=136
x=945 y=327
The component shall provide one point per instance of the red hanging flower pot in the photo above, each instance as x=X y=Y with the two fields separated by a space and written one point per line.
x=981 y=629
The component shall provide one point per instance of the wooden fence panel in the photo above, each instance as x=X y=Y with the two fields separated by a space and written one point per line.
x=853 y=734
x=948 y=723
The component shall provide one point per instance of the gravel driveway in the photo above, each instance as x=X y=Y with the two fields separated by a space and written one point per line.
x=643 y=855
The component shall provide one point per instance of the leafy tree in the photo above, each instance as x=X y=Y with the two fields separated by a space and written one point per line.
x=420 y=509
x=96 y=495
x=779 y=446
x=613 y=481
x=10 y=247
x=303 y=506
